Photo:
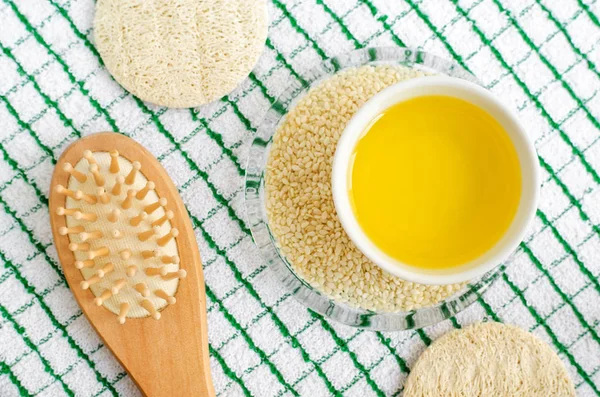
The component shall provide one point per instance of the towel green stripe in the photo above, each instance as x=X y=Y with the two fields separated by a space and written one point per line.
x=6 y=370
x=426 y=339
x=13 y=164
x=562 y=294
x=387 y=343
x=435 y=31
x=582 y=214
x=488 y=309
x=344 y=346
x=214 y=353
x=567 y=247
x=219 y=140
x=360 y=375
x=337 y=19
x=234 y=323
x=589 y=12
x=549 y=65
x=23 y=333
x=72 y=78
x=49 y=102
x=26 y=126
x=568 y=37
x=383 y=20
x=279 y=5
x=80 y=353
x=288 y=66
x=262 y=87
x=32 y=239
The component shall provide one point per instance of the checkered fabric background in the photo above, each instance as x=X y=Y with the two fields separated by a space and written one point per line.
x=540 y=56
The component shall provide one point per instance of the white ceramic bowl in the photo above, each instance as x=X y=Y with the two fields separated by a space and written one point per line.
x=470 y=92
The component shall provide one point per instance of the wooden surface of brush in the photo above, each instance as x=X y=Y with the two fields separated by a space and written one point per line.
x=130 y=256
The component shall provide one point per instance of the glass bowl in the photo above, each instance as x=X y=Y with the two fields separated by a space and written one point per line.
x=254 y=191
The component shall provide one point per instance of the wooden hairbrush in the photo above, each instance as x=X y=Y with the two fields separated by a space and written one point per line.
x=130 y=256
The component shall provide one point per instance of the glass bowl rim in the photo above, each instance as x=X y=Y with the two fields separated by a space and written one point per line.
x=264 y=239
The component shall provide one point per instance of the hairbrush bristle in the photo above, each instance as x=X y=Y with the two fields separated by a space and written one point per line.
x=80 y=176
x=136 y=220
x=125 y=254
x=143 y=236
x=119 y=181
x=132 y=174
x=113 y=216
x=142 y=193
x=164 y=240
x=114 y=162
x=79 y=246
x=166 y=217
x=128 y=202
x=102 y=195
x=147 y=254
x=149 y=209
x=131 y=270
x=85 y=216
x=100 y=252
x=146 y=304
x=104 y=296
x=142 y=288
x=123 y=310
x=84 y=264
x=60 y=189
x=63 y=231
x=104 y=270
x=85 y=236
x=169 y=259
x=156 y=271
x=118 y=285
x=88 y=198
x=98 y=178
x=89 y=156
x=121 y=238
x=178 y=274
x=163 y=295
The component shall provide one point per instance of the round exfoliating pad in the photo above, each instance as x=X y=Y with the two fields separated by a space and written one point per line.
x=182 y=53
x=488 y=359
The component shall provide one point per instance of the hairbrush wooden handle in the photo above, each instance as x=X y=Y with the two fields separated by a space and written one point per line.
x=168 y=357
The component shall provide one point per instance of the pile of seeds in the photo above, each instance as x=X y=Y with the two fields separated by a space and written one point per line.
x=300 y=205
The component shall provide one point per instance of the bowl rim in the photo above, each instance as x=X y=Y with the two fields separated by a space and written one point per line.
x=406 y=90
x=257 y=220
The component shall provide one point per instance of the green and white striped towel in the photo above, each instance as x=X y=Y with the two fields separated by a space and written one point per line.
x=540 y=56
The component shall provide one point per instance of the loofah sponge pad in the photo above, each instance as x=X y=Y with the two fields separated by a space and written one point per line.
x=489 y=359
x=180 y=53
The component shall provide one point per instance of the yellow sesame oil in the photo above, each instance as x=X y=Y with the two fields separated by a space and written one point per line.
x=435 y=182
